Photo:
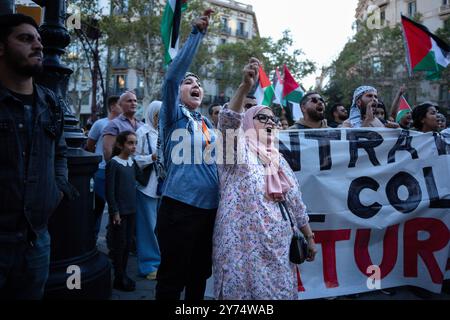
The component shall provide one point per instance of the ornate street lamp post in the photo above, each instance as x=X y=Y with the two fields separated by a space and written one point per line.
x=74 y=256
x=74 y=252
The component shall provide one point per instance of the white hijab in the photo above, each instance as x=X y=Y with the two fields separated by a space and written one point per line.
x=149 y=126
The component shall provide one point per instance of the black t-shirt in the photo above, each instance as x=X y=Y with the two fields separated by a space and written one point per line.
x=28 y=113
x=25 y=120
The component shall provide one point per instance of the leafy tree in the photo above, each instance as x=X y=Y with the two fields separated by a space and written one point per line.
x=272 y=54
x=136 y=30
x=371 y=57
x=78 y=56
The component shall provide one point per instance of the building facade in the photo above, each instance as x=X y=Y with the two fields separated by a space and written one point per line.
x=237 y=23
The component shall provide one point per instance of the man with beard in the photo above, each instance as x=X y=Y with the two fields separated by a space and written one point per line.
x=362 y=112
x=33 y=165
x=338 y=115
x=313 y=109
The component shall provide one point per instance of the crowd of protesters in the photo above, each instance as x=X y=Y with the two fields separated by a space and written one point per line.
x=189 y=219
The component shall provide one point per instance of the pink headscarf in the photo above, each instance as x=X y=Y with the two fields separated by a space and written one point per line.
x=277 y=182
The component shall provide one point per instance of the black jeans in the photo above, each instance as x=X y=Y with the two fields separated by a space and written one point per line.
x=121 y=242
x=184 y=235
x=24 y=268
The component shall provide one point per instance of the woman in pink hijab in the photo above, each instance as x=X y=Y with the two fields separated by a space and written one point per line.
x=251 y=237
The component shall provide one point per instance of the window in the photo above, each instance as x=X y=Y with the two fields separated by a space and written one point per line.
x=85 y=97
x=412 y=8
x=121 y=56
x=241 y=27
x=140 y=82
x=86 y=75
x=383 y=15
x=223 y=41
x=120 y=82
x=376 y=64
x=224 y=22
x=225 y=27
x=445 y=2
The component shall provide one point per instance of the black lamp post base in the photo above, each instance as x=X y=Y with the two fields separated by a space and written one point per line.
x=95 y=275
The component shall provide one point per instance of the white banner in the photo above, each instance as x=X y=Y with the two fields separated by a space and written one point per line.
x=379 y=201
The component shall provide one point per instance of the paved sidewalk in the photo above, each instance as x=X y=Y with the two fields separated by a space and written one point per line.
x=145 y=289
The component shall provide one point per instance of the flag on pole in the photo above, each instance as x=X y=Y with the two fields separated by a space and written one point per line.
x=292 y=94
x=403 y=109
x=264 y=92
x=170 y=28
x=424 y=50
x=277 y=84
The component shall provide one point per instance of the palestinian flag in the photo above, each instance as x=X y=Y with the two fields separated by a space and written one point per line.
x=292 y=94
x=170 y=28
x=424 y=50
x=277 y=84
x=264 y=92
x=403 y=109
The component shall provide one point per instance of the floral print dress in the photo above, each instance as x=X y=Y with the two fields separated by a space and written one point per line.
x=251 y=239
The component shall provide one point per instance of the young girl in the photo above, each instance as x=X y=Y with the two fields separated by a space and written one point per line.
x=121 y=198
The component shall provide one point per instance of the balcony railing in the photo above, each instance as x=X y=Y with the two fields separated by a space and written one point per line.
x=241 y=34
x=225 y=30
x=444 y=9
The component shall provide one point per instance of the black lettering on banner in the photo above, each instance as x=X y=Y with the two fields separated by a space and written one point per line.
x=414 y=192
x=442 y=146
x=403 y=144
x=373 y=140
x=292 y=154
x=354 y=203
x=433 y=193
x=323 y=138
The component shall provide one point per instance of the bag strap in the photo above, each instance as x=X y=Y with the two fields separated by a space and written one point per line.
x=284 y=212
x=148 y=142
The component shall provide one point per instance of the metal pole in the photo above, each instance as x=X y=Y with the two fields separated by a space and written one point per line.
x=72 y=225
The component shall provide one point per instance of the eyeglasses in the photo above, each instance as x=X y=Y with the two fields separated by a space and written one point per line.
x=265 y=118
x=316 y=100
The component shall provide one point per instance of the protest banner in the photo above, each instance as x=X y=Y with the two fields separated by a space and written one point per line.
x=379 y=202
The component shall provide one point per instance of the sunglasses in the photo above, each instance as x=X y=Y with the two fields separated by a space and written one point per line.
x=265 y=118
x=316 y=100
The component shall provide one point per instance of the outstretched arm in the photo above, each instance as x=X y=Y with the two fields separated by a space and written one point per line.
x=396 y=102
x=177 y=70
x=250 y=76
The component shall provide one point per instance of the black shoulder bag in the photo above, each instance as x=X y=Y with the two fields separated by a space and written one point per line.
x=298 y=249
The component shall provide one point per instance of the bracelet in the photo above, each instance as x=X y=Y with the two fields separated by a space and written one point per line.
x=311 y=236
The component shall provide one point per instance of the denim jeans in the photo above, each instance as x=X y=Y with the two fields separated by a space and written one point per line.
x=24 y=268
x=146 y=242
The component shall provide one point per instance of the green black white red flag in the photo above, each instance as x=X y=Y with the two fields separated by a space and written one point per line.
x=170 y=28
x=424 y=50
x=264 y=92
x=403 y=109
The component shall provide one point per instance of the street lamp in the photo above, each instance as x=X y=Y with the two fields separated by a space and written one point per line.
x=71 y=227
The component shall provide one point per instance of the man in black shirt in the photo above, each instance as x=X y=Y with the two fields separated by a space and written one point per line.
x=33 y=167
x=338 y=114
